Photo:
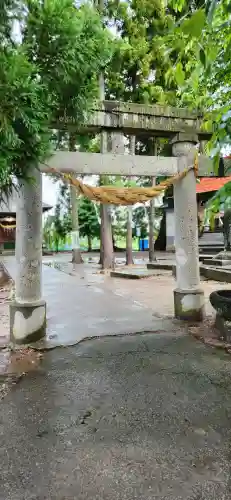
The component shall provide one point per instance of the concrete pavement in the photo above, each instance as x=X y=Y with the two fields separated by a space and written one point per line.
x=82 y=303
x=84 y=306
x=143 y=417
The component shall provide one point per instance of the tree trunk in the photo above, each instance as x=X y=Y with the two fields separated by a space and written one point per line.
x=76 y=254
x=113 y=242
x=106 y=245
x=129 y=256
x=106 y=249
x=152 y=257
x=4 y=275
x=89 y=243
x=160 y=243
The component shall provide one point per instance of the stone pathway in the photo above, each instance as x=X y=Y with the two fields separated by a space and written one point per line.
x=83 y=306
x=83 y=303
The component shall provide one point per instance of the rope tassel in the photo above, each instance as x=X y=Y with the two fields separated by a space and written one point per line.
x=124 y=196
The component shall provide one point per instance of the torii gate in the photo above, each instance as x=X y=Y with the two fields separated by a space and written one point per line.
x=28 y=311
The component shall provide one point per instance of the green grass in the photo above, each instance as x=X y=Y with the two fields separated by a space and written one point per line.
x=120 y=243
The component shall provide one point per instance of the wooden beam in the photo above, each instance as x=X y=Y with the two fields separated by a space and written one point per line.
x=111 y=164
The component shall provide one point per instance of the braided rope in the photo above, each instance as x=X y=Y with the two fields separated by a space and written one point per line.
x=124 y=196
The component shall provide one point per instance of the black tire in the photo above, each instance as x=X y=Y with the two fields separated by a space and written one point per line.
x=221 y=301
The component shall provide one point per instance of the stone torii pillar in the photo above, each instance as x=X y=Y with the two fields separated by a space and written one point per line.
x=28 y=311
x=188 y=296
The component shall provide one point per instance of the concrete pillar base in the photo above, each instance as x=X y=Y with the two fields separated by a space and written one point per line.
x=27 y=322
x=189 y=304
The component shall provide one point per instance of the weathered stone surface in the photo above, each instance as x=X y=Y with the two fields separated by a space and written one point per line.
x=27 y=322
x=111 y=163
x=189 y=305
x=29 y=240
x=118 y=164
x=188 y=298
x=224 y=327
x=28 y=312
x=133 y=273
x=181 y=137
x=222 y=259
x=149 y=119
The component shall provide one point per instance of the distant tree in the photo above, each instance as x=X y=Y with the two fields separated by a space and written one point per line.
x=140 y=219
x=89 y=224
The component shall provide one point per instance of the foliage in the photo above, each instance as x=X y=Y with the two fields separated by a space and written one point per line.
x=202 y=41
x=88 y=218
x=25 y=112
x=55 y=68
x=137 y=70
x=140 y=218
x=71 y=48
x=56 y=228
x=219 y=202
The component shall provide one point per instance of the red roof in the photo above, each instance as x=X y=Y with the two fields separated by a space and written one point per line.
x=208 y=184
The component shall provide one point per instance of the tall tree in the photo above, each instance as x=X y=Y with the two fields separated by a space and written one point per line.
x=89 y=221
x=76 y=253
x=201 y=38
x=70 y=47
x=106 y=241
x=54 y=69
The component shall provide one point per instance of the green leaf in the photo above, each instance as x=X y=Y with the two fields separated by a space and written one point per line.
x=203 y=57
x=195 y=24
x=179 y=74
x=211 y=10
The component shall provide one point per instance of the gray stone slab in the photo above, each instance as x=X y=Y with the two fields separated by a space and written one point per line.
x=216 y=273
x=133 y=273
x=217 y=262
x=168 y=264
x=161 y=265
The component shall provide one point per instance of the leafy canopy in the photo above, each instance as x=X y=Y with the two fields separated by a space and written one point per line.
x=88 y=218
x=202 y=40
x=70 y=48
x=24 y=117
x=54 y=68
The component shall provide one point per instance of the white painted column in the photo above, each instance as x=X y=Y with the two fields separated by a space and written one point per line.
x=188 y=296
x=28 y=311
